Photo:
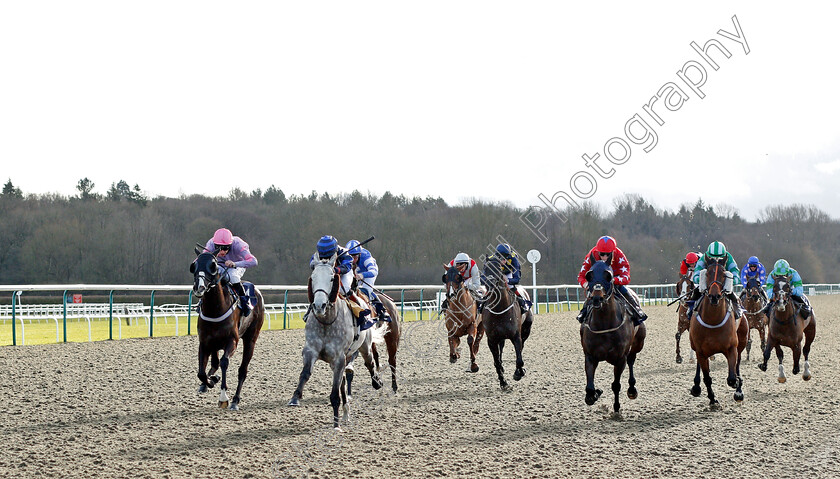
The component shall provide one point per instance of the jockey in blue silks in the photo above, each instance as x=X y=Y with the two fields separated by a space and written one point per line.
x=327 y=247
x=513 y=272
x=366 y=271
x=753 y=270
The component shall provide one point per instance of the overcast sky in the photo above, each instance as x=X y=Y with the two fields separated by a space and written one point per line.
x=495 y=100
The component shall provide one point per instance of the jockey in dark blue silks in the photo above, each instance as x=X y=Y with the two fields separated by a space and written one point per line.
x=326 y=248
x=366 y=271
x=753 y=270
x=513 y=271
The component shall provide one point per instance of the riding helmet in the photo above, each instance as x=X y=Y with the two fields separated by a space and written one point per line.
x=222 y=237
x=781 y=268
x=504 y=249
x=691 y=258
x=716 y=250
x=753 y=260
x=605 y=244
x=462 y=258
x=353 y=247
x=327 y=246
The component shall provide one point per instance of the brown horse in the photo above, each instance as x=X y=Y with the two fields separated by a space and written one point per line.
x=684 y=288
x=608 y=334
x=787 y=327
x=753 y=302
x=220 y=326
x=392 y=340
x=502 y=320
x=715 y=329
x=461 y=317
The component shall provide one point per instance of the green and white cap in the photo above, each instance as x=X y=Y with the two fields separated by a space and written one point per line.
x=716 y=249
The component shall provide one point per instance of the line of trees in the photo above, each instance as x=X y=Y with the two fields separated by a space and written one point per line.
x=124 y=237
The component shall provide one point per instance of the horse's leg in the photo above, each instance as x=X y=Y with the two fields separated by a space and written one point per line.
x=365 y=350
x=349 y=372
x=749 y=342
x=638 y=345
x=309 y=358
x=796 y=352
x=618 y=369
x=703 y=363
x=473 y=345
x=781 y=355
x=224 y=362
x=527 y=322
x=519 y=373
x=338 y=365
x=771 y=343
x=810 y=333
x=345 y=416
x=695 y=390
x=213 y=378
x=202 y=366
x=247 y=354
x=592 y=394
x=495 y=350
x=677 y=336
x=453 y=347
x=732 y=363
x=761 y=334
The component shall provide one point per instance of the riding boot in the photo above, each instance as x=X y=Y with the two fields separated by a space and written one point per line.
x=692 y=300
x=767 y=307
x=523 y=305
x=243 y=298
x=804 y=305
x=636 y=312
x=380 y=311
x=584 y=311
x=736 y=305
x=444 y=305
x=479 y=306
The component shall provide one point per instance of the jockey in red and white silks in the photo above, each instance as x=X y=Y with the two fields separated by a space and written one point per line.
x=468 y=269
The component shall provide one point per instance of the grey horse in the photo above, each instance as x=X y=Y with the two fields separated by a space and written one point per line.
x=330 y=330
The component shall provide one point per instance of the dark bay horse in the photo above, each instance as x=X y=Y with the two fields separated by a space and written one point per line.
x=787 y=328
x=713 y=329
x=330 y=329
x=391 y=338
x=684 y=288
x=221 y=325
x=502 y=320
x=461 y=317
x=608 y=334
x=753 y=302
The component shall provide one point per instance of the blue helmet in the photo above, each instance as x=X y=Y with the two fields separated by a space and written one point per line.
x=353 y=247
x=504 y=250
x=753 y=260
x=327 y=246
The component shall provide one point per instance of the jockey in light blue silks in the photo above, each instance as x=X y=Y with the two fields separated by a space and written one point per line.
x=327 y=247
x=716 y=252
x=753 y=270
x=783 y=270
x=234 y=257
x=366 y=270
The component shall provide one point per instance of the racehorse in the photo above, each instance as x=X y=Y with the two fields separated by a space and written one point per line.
x=391 y=338
x=502 y=320
x=461 y=317
x=221 y=325
x=714 y=329
x=608 y=334
x=787 y=328
x=684 y=288
x=329 y=331
x=753 y=302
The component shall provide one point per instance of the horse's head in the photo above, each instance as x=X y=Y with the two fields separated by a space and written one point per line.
x=323 y=286
x=684 y=285
x=715 y=280
x=753 y=289
x=781 y=293
x=600 y=283
x=205 y=272
x=454 y=281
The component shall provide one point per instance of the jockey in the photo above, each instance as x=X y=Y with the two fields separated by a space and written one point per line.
x=780 y=270
x=512 y=270
x=606 y=250
x=716 y=251
x=753 y=269
x=233 y=257
x=328 y=247
x=468 y=269
x=687 y=264
x=366 y=271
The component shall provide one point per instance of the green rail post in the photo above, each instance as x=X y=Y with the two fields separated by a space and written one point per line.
x=111 y=315
x=14 y=332
x=64 y=304
x=152 y=315
x=189 y=315
x=577 y=297
x=421 y=304
x=402 y=303
x=285 y=304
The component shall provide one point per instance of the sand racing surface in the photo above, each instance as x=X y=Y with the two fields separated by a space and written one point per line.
x=130 y=409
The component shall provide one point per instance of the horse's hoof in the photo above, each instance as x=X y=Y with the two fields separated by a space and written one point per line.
x=202 y=389
x=695 y=391
x=763 y=366
x=234 y=406
x=453 y=358
x=592 y=396
x=224 y=404
x=714 y=405
x=506 y=387
x=473 y=368
x=213 y=380
x=732 y=382
x=632 y=393
x=739 y=396
x=796 y=370
x=518 y=374
x=806 y=377
x=679 y=359
x=376 y=382
x=782 y=379
x=294 y=402
x=338 y=429
x=394 y=387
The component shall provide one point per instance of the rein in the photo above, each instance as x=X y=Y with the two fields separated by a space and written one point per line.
x=592 y=311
